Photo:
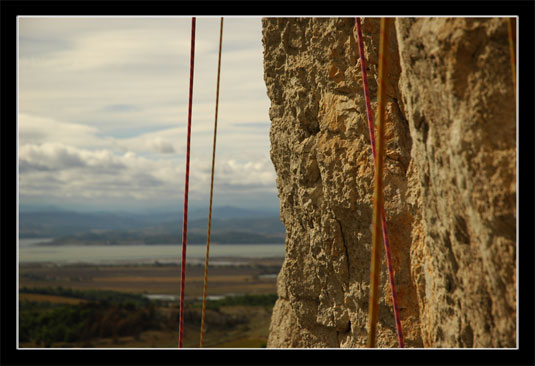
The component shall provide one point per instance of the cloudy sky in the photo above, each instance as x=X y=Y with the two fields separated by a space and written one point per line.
x=103 y=113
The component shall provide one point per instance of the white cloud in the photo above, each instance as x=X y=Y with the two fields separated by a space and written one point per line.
x=37 y=130
x=117 y=42
x=167 y=141
x=58 y=170
x=245 y=173
x=54 y=156
x=162 y=146
x=103 y=110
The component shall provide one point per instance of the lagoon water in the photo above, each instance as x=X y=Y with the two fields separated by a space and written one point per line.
x=102 y=254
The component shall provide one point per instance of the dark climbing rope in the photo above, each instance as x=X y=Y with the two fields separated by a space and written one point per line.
x=186 y=190
x=211 y=189
x=369 y=114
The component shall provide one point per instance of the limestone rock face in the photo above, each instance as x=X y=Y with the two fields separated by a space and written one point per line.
x=450 y=182
x=457 y=86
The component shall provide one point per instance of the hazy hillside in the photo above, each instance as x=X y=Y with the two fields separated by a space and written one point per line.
x=229 y=225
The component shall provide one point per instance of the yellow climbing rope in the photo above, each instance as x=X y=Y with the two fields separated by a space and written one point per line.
x=378 y=190
x=211 y=189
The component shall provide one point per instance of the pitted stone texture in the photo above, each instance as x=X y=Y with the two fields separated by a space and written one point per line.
x=450 y=181
x=321 y=152
x=457 y=87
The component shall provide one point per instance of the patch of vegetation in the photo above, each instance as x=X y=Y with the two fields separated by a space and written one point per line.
x=45 y=323
x=266 y=300
x=215 y=319
x=106 y=296
x=244 y=343
x=49 y=298
x=111 y=316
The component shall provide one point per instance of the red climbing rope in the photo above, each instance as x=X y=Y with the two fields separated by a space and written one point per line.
x=211 y=189
x=186 y=190
x=381 y=206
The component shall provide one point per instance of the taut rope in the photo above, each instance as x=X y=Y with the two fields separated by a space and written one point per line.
x=186 y=190
x=383 y=219
x=378 y=190
x=211 y=189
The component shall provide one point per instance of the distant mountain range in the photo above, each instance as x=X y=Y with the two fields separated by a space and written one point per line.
x=230 y=225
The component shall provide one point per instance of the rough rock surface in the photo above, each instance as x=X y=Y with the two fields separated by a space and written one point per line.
x=450 y=182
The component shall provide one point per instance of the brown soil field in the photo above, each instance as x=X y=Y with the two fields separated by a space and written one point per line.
x=50 y=298
x=154 y=278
